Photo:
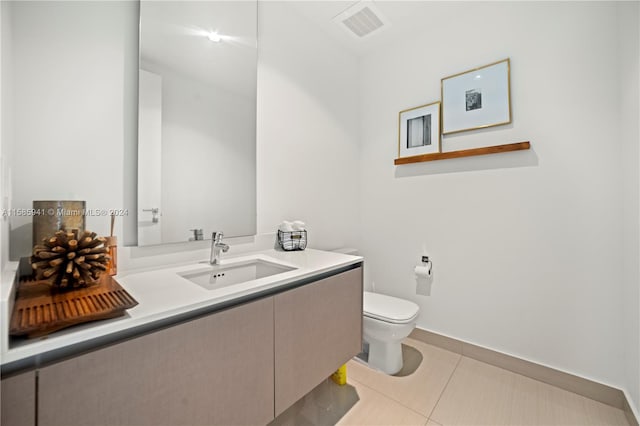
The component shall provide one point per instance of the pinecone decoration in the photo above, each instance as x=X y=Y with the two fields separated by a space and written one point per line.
x=68 y=262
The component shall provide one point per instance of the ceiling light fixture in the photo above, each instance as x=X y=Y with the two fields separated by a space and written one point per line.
x=214 y=37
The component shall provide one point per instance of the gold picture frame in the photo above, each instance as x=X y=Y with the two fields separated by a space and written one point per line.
x=419 y=130
x=477 y=98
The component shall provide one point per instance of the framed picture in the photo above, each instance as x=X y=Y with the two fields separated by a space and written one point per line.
x=419 y=130
x=476 y=98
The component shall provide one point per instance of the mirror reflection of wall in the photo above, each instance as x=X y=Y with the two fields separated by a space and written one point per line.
x=197 y=120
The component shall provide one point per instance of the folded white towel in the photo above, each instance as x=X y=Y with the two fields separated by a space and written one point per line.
x=298 y=225
x=286 y=226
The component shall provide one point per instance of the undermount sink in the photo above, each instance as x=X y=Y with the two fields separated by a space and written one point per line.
x=213 y=277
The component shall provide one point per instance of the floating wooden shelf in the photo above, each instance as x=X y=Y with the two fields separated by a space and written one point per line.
x=518 y=146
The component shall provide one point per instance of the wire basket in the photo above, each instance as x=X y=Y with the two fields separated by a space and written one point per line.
x=294 y=240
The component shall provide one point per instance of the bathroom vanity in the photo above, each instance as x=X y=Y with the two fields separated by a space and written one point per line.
x=188 y=354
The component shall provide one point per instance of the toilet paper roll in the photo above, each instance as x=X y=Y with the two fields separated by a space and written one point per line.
x=423 y=271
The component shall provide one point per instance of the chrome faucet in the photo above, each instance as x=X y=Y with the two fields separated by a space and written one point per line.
x=216 y=246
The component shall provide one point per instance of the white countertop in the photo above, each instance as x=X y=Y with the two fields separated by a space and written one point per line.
x=162 y=294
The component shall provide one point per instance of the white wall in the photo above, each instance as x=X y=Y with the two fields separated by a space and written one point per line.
x=629 y=92
x=5 y=127
x=70 y=65
x=527 y=245
x=307 y=129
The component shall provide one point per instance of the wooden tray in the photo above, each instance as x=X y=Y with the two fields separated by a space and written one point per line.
x=38 y=310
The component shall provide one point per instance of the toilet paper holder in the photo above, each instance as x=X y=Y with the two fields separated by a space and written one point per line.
x=427 y=262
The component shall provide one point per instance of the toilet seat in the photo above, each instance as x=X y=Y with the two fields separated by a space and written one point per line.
x=389 y=309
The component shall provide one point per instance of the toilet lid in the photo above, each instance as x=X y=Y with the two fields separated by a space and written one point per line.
x=388 y=308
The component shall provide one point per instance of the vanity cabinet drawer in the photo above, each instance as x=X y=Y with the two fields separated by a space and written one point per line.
x=318 y=327
x=19 y=400
x=210 y=371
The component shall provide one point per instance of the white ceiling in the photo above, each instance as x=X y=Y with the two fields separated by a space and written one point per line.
x=405 y=19
x=172 y=34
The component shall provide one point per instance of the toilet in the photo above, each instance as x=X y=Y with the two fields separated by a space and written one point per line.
x=386 y=321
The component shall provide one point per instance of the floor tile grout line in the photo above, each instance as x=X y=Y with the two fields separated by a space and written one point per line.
x=432 y=421
x=445 y=388
x=402 y=403
x=379 y=392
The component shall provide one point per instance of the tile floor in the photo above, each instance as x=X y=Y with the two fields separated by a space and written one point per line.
x=441 y=388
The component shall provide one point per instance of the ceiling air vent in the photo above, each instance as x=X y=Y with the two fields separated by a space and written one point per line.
x=361 y=20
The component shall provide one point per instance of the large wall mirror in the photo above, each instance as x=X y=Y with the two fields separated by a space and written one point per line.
x=197 y=120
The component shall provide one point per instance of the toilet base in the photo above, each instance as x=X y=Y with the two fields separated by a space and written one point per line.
x=385 y=356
